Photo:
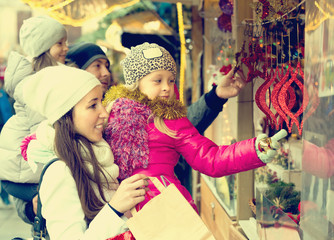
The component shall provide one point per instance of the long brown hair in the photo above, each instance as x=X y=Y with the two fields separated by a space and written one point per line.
x=69 y=147
x=42 y=61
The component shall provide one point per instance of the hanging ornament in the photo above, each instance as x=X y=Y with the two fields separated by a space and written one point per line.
x=225 y=22
x=290 y=99
x=226 y=6
x=253 y=61
x=281 y=97
x=265 y=9
x=261 y=97
x=276 y=101
x=225 y=19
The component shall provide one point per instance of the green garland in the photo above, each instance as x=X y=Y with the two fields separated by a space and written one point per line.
x=284 y=195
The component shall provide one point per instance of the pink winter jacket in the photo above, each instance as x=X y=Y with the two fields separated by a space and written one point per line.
x=129 y=120
x=201 y=153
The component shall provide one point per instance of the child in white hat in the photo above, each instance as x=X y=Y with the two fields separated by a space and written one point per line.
x=148 y=129
x=43 y=40
x=78 y=191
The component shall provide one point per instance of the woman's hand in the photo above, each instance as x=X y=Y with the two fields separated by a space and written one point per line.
x=130 y=192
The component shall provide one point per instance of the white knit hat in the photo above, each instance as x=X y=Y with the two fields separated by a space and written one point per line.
x=53 y=91
x=38 y=34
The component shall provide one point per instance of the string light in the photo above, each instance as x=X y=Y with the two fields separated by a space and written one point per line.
x=183 y=49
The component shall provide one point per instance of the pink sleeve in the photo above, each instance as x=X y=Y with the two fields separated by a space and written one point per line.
x=205 y=156
x=25 y=143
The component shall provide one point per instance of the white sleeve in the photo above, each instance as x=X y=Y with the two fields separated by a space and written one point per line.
x=62 y=209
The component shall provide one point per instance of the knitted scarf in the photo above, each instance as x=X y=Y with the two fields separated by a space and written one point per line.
x=130 y=112
x=41 y=151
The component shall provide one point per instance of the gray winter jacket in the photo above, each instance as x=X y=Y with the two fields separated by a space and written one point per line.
x=13 y=167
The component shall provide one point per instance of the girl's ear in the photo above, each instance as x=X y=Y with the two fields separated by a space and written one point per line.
x=176 y=91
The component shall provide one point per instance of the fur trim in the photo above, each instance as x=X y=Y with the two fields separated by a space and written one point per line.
x=166 y=109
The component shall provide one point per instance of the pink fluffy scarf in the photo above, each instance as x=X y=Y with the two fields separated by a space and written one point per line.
x=127 y=136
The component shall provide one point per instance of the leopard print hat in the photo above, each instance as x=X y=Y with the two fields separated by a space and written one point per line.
x=144 y=59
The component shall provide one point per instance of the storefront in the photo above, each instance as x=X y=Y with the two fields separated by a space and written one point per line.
x=285 y=47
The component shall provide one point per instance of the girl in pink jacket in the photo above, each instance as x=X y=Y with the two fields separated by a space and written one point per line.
x=148 y=129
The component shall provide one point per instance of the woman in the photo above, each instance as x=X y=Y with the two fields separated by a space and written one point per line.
x=78 y=192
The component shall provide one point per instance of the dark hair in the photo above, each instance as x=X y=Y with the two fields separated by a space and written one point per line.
x=69 y=147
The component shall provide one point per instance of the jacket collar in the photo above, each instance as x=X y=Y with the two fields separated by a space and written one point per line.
x=166 y=109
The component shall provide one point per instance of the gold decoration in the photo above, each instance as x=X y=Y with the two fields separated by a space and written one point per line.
x=183 y=50
x=167 y=109
x=276 y=9
x=76 y=12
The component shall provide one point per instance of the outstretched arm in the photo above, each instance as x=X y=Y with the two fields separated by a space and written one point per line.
x=204 y=111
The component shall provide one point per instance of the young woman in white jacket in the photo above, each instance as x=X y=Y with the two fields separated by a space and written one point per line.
x=80 y=195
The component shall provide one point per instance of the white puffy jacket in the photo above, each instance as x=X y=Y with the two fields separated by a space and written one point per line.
x=13 y=167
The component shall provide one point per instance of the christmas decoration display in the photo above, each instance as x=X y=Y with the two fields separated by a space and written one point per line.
x=275 y=56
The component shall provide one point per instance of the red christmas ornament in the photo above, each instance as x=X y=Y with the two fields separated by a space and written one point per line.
x=282 y=102
x=261 y=97
x=252 y=62
x=275 y=100
x=265 y=8
x=225 y=22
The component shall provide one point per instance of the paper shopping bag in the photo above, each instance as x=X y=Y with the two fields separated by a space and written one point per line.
x=168 y=216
